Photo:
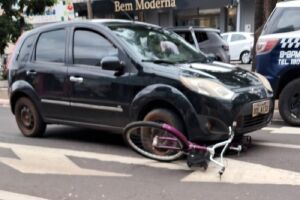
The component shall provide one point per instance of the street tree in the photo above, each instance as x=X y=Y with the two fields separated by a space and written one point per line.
x=12 y=22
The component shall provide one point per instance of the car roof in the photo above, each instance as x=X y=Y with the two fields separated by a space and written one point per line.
x=247 y=34
x=235 y=32
x=288 y=4
x=187 y=28
x=96 y=21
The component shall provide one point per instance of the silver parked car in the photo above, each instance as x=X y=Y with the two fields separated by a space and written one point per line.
x=207 y=40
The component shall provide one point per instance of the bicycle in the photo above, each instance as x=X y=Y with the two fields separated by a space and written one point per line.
x=162 y=142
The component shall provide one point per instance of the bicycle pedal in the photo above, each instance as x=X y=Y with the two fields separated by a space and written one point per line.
x=198 y=159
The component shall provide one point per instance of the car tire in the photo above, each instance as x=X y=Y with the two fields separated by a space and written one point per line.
x=164 y=116
x=245 y=57
x=289 y=103
x=28 y=118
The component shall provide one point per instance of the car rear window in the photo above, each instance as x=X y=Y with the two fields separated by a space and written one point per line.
x=237 y=37
x=25 y=50
x=225 y=37
x=283 y=20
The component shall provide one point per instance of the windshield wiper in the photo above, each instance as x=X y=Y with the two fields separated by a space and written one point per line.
x=160 y=61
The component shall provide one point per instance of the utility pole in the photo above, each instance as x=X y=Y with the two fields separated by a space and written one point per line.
x=89 y=9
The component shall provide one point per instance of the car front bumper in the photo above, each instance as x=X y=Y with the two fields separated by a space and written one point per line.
x=214 y=117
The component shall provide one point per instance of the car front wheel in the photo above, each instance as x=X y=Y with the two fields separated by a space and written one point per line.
x=28 y=118
x=162 y=116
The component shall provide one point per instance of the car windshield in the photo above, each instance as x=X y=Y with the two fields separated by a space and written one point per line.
x=157 y=45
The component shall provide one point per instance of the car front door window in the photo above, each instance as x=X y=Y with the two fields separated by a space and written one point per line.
x=90 y=47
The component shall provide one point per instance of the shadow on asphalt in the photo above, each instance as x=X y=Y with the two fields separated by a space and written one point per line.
x=84 y=135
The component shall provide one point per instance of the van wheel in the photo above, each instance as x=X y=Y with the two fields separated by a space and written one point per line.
x=162 y=116
x=289 y=103
x=245 y=57
x=28 y=119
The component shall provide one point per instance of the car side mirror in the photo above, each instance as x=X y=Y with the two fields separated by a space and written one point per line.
x=112 y=63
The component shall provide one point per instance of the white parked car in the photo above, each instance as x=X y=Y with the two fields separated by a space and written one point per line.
x=240 y=45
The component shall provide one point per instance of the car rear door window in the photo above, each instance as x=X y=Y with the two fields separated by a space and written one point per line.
x=201 y=36
x=90 y=47
x=186 y=35
x=51 y=46
x=237 y=37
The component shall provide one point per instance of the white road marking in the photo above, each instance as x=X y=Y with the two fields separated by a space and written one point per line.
x=238 y=172
x=5 y=195
x=283 y=130
x=269 y=129
x=44 y=160
x=280 y=145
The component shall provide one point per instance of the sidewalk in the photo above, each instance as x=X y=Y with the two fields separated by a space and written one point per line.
x=3 y=93
x=3 y=84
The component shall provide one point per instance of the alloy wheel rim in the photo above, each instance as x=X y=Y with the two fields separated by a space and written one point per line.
x=26 y=117
x=295 y=106
x=246 y=57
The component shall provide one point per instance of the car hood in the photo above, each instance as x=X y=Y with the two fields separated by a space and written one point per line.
x=229 y=75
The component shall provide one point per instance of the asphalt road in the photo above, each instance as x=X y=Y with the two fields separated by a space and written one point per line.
x=76 y=163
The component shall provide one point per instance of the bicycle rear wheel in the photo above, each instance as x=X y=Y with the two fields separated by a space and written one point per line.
x=151 y=140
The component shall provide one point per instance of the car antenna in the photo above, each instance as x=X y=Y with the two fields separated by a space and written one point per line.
x=124 y=12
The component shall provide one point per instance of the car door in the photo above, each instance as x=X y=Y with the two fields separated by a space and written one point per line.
x=47 y=72
x=236 y=45
x=97 y=95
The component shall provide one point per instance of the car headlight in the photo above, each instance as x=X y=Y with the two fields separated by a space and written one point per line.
x=207 y=87
x=264 y=81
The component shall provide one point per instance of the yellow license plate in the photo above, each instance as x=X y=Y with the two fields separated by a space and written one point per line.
x=262 y=107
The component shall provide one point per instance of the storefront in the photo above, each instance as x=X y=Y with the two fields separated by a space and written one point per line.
x=222 y=14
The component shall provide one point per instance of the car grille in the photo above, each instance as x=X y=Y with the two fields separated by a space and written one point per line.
x=249 y=121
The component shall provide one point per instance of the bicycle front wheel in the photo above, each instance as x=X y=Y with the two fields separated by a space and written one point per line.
x=151 y=140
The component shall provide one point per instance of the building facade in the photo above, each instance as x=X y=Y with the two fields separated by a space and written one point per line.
x=226 y=15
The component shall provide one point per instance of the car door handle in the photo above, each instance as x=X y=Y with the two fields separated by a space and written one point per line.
x=76 y=79
x=31 y=72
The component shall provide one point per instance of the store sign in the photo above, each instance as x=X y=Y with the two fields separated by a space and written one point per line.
x=144 y=5
x=63 y=10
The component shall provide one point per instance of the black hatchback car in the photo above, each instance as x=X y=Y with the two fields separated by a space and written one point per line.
x=107 y=73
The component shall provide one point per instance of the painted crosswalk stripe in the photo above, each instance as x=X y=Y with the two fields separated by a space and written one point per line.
x=239 y=172
x=43 y=160
x=283 y=130
x=280 y=145
x=5 y=195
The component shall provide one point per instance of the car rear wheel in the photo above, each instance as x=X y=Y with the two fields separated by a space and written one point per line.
x=245 y=57
x=289 y=103
x=28 y=119
x=168 y=117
